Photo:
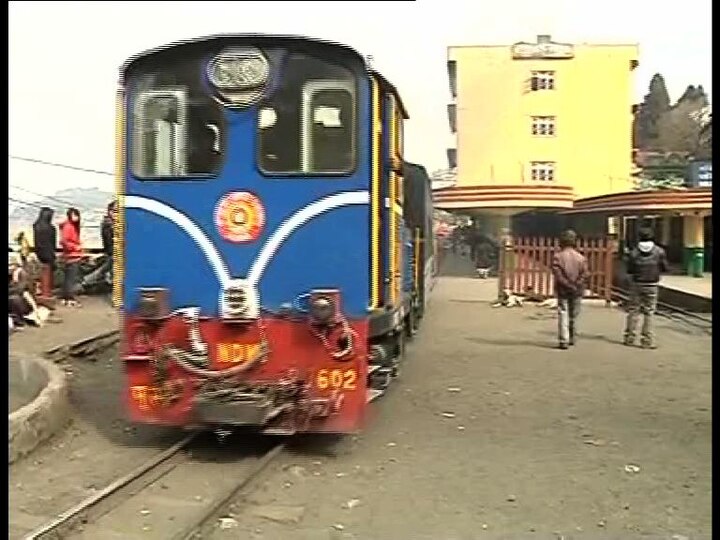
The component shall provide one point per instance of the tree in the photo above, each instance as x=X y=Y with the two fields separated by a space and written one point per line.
x=704 y=150
x=680 y=128
x=703 y=118
x=654 y=105
x=658 y=99
x=659 y=181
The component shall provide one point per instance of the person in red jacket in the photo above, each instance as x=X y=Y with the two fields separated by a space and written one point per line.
x=72 y=255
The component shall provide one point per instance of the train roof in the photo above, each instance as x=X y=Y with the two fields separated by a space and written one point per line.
x=387 y=86
x=138 y=59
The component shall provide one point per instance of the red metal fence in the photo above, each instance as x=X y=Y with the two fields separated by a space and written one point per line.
x=524 y=265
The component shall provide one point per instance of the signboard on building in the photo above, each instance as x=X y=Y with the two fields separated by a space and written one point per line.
x=700 y=174
x=547 y=50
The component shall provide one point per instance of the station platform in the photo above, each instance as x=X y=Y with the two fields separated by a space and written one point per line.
x=690 y=285
x=562 y=443
x=690 y=293
x=498 y=434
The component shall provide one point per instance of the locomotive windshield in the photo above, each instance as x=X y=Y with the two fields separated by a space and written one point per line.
x=308 y=125
x=177 y=127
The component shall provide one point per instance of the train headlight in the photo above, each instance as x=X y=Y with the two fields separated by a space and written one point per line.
x=236 y=300
x=238 y=69
x=239 y=301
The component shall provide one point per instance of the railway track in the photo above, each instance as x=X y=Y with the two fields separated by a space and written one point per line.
x=670 y=311
x=179 y=494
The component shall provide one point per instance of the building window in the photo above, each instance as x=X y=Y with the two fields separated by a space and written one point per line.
x=542 y=80
x=543 y=126
x=542 y=171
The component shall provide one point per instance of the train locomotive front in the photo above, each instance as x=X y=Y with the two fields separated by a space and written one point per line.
x=253 y=239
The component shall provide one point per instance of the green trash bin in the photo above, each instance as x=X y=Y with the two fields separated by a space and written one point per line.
x=694 y=261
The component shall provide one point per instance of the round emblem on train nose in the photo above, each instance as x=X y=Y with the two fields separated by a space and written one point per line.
x=240 y=217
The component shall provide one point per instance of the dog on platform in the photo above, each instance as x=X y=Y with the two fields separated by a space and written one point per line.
x=549 y=303
x=508 y=299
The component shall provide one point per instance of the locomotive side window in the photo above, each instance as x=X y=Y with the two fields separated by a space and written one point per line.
x=177 y=129
x=327 y=142
x=160 y=133
x=308 y=126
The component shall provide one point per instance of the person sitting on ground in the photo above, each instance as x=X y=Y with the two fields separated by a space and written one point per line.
x=30 y=262
x=22 y=306
x=18 y=306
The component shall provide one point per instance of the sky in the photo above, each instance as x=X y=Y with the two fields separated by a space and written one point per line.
x=64 y=59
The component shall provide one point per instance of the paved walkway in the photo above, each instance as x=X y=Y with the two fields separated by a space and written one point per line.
x=491 y=432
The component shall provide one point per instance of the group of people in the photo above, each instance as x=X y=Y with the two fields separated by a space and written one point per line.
x=645 y=265
x=31 y=271
x=481 y=248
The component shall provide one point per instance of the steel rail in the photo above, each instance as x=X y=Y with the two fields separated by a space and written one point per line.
x=112 y=488
x=693 y=318
x=194 y=531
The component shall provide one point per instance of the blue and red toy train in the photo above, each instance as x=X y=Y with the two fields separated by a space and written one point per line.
x=273 y=248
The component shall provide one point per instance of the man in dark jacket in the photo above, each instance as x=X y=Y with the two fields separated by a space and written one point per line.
x=45 y=235
x=484 y=256
x=570 y=272
x=645 y=264
x=107 y=230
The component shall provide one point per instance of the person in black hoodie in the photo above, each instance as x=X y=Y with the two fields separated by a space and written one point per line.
x=645 y=264
x=45 y=235
x=107 y=230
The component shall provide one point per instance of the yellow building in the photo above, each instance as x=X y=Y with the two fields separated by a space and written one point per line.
x=539 y=125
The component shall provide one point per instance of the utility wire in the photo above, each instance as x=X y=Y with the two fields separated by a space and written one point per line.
x=56 y=208
x=48 y=197
x=62 y=165
x=26 y=203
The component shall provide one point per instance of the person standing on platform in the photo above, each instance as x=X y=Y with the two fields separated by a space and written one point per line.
x=645 y=264
x=570 y=271
x=107 y=230
x=45 y=235
x=72 y=255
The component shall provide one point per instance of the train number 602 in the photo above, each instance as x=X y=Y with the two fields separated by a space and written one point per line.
x=345 y=379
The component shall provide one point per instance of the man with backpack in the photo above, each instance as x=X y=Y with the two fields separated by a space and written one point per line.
x=645 y=264
x=570 y=272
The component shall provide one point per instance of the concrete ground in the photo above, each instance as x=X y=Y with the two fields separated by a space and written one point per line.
x=97 y=446
x=490 y=433
x=25 y=382
x=94 y=317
